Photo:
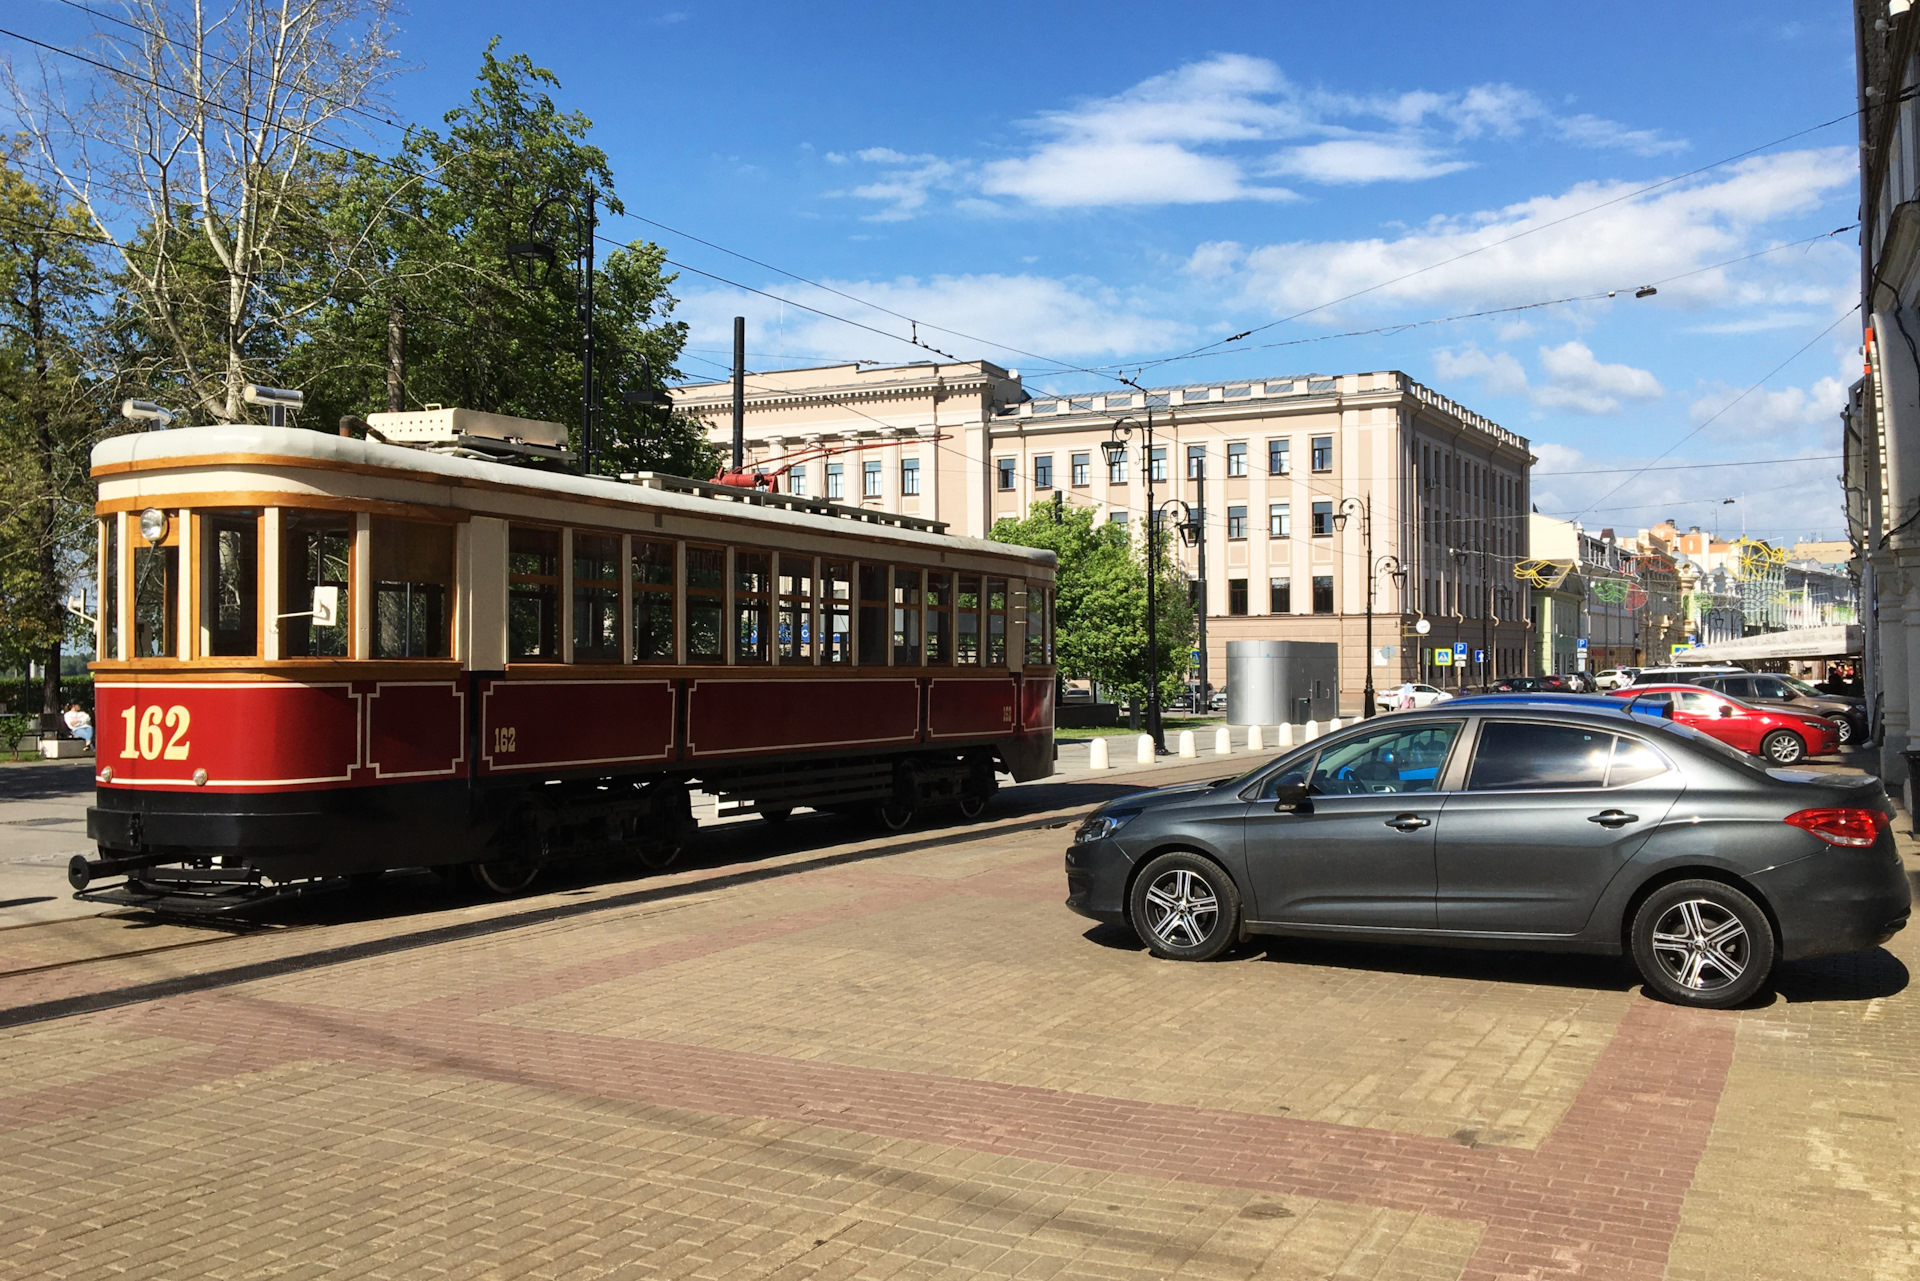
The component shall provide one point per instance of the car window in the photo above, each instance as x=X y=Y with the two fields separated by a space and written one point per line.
x=1425 y=689
x=1528 y=756
x=1387 y=760
x=1292 y=776
x=1738 y=686
x=1634 y=762
x=1802 y=688
x=1660 y=704
x=1699 y=703
x=1767 y=687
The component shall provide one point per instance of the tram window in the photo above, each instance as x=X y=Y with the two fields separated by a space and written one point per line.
x=836 y=602
x=752 y=606
x=596 y=598
x=412 y=589
x=966 y=622
x=873 y=615
x=156 y=596
x=906 y=618
x=230 y=583
x=315 y=551
x=533 y=594
x=706 y=602
x=109 y=588
x=996 y=622
x=796 y=609
x=1036 y=624
x=939 y=619
x=652 y=601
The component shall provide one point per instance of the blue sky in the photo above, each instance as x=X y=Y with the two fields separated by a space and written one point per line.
x=1080 y=187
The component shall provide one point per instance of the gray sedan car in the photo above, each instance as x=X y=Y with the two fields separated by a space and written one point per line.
x=1544 y=826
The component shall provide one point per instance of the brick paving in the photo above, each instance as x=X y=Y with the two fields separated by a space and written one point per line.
x=920 y=1065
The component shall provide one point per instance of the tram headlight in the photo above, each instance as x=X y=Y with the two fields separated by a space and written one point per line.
x=153 y=524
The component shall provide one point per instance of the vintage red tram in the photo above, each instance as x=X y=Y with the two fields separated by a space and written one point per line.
x=325 y=656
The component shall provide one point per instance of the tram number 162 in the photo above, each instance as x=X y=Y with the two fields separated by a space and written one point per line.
x=147 y=737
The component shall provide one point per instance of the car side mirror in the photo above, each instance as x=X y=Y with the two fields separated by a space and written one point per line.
x=1291 y=798
x=1725 y=710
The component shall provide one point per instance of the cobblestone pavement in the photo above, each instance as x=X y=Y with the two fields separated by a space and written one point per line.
x=901 y=1057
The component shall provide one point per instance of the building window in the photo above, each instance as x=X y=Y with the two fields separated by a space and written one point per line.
x=1196 y=462
x=1323 y=593
x=797 y=482
x=909 y=477
x=1082 y=471
x=706 y=603
x=1322 y=520
x=1323 y=453
x=1236 y=522
x=1043 y=471
x=1157 y=463
x=1117 y=467
x=1237 y=596
x=533 y=594
x=1003 y=470
x=1279 y=457
x=1280 y=520
x=1280 y=596
x=870 y=479
x=1117 y=518
x=1237 y=458
x=836 y=482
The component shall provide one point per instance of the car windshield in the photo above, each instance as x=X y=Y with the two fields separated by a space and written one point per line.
x=1800 y=687
x=1397 y=759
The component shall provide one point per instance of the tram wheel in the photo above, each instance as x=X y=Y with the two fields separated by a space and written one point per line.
x=777 y=814
x=505 y=877
x=896 y=815
x=657 y=858
x=972 y=805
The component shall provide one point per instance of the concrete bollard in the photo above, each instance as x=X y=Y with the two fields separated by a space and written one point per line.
x=1310 y=732
x=1333 y=725
x=1223 y=742
x=1143 y=752
x=1187 y=749
x=1254 y=741
x=1097 y=754
x=1286 y=736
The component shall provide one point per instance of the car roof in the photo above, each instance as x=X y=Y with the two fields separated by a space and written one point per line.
x=1548 y=701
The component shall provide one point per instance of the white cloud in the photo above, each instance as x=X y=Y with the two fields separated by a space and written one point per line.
x=1575 y=380
x=1202 y=134
x=1498 y=371
x=1524 y=251
x=1771 y=414
x=1351 y=160
x=904 y=188
x=1065 y=319
x=1579 y=383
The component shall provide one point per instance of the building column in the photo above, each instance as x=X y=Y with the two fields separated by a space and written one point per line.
x=1893 y=673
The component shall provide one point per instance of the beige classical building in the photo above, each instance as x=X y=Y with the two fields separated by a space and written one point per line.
x=1272 y=462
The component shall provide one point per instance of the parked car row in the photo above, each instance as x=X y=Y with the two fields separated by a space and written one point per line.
x=1527 y=821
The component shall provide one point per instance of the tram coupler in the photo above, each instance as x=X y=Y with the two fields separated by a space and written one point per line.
x=83 y=871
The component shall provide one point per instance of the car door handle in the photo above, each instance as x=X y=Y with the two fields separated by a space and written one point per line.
x=1613 y=818
x=1409 y=822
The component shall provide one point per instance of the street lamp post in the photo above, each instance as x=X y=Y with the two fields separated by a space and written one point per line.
x=1115 y=448
x=523 y=255
x=1364 y=507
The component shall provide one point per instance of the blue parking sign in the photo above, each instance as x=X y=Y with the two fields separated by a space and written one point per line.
x=1459 y=650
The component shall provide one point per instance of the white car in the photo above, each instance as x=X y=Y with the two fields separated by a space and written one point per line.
x=1388 y=700
x=1616 y=677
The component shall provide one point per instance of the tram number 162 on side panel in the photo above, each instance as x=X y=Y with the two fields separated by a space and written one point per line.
x=154 y=733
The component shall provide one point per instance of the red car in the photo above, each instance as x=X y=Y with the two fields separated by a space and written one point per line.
x=1777 y=736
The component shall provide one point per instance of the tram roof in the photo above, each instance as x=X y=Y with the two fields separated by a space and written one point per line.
x=248 y=444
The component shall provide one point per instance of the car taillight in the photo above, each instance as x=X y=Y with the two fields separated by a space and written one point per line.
x=1850 y=827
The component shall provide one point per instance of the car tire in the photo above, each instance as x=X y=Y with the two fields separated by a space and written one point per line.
x=1185 y=907
x=1843 y=726
x=1703 y=944
x=1783 y=747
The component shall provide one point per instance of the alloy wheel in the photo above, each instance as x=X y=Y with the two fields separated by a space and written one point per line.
x=1181 y=908
x=1701 y=945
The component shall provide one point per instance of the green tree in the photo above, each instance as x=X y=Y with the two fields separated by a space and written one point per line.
x=50 y=416
x=1100 y=611
x=440 y=310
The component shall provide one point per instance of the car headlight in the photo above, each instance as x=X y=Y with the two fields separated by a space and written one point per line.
x=1101 y=826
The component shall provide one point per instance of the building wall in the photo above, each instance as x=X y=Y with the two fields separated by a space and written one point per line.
x=1440 y=480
